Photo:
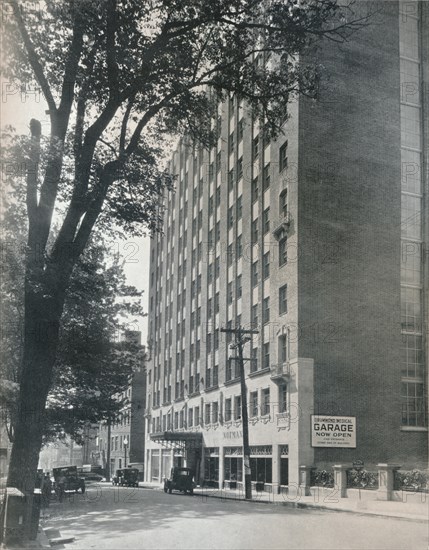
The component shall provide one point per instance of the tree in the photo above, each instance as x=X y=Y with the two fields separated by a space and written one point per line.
x=116 y=76
x=91 y=364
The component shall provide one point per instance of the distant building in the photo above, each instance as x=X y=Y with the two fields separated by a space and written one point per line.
x=127 y=435
x=68 y=453
x=319 y=240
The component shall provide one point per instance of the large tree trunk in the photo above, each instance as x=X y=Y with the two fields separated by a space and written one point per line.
x=43 y=310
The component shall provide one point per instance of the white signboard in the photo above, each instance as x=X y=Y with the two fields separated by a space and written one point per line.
x=333 y=431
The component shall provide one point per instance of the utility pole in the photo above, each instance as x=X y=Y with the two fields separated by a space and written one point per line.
x=240 y=339
x=109 y=431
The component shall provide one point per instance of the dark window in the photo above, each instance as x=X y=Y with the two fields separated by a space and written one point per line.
x=266 y=401
x=255 y=231
x=282 y=398
x=231 y=143
x=228 y=410
x=254 y=316
x=283 y=203
x=266 y=265
x=283 y=299
x=283 y=251
x=231 y=180
x=239 y=207
x=266 y=310
x=266 y=177
x=283 y=156
x=238 y=287
x=240 y=168
x=239 y=246
x=255 y=275
x=255 y=147
x=255 y=189
x=266 y=355
x=254 y=403
x=266 y=220
x=240 y=129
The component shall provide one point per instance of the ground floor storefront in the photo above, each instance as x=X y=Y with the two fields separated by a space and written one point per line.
x=222 y=466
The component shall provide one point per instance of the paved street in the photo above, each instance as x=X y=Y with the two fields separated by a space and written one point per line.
x=119 y=518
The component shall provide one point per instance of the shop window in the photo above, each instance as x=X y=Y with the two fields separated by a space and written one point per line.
x=233 y=468
x=211 y=469
x=261 y=469
x=284 y=471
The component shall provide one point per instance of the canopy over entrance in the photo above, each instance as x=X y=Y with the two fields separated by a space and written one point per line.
x=184 y=440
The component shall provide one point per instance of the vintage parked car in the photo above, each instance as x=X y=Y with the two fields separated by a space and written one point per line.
x=66 y=478
x=126 y=476
x=181 y=479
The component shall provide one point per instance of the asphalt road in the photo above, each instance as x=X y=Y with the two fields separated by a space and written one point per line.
x=117 y=518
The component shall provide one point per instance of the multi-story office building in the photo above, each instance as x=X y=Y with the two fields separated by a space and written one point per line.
x=317 y=239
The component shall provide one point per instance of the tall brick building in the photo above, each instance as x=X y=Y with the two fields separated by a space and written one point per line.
x=318 y=240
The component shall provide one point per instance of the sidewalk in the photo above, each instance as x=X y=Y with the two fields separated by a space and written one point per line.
x=413 y=511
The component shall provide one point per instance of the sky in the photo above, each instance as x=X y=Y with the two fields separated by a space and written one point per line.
x=17 y=109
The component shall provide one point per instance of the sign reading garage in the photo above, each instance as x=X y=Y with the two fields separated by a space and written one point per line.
x=333 y=431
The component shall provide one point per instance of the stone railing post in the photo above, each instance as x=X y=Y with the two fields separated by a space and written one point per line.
x=305 y=479
x=386 y=473
x=340 y=479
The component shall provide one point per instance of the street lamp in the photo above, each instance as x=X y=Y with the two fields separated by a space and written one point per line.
x=125 y=449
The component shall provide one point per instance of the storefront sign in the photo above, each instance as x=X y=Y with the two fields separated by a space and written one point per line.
x=233 y=434
x=333 y=431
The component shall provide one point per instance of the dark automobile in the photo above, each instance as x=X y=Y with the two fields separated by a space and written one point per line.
x=67 y=479
x=126 y=476
x=181 y=479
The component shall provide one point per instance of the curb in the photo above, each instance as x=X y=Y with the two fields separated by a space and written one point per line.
x=306 y=505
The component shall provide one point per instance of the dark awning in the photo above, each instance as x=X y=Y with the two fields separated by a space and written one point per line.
x=178 y=439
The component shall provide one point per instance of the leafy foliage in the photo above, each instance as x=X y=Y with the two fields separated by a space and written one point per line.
x=92 y=365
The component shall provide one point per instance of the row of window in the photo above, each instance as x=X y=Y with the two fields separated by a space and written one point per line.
x=259 y=405
x=116 y=442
